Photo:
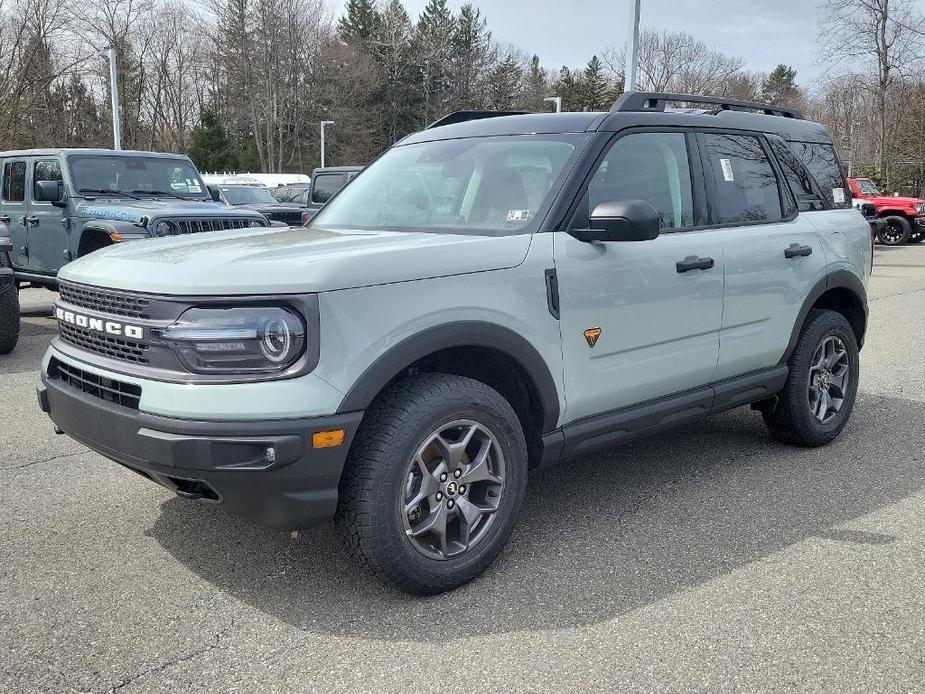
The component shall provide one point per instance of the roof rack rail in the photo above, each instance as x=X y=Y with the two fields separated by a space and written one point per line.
x=656 y=101
x=463 y=116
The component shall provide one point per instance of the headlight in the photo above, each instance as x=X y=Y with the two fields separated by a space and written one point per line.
x=921 y=208
x=244 y=339
x=165 y=228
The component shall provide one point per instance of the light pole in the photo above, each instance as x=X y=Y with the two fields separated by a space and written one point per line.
x=632 y=48
x=324 y=123
x=557 y=100
x=110 y=54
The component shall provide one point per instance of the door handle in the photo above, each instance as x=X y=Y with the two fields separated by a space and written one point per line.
x=795 y=250
x=31 y=220
x=692 y=262
x=5 y=219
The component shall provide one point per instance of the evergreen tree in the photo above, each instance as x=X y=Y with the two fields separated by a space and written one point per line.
x=779 y=87
x=471 y=49
x=535 y=87
x=569 y=89
x=359 y=22
x=433 y=38
x=391 y=48
x=593 y=90
x=504 y=84
x=210 y=149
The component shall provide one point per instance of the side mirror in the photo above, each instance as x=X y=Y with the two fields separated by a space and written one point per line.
x=49 y=191
x=624 y=220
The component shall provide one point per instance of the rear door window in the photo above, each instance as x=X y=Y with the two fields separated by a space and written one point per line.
x=325 y=187
x=822 y=163
x=14 y=181
x=745 y=185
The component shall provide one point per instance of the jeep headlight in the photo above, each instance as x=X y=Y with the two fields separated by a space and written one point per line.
x=246 y=339
x=921 y=208
x=165 y=228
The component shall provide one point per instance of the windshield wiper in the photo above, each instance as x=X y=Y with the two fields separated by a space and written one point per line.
x=106 y=191
x=157 y=193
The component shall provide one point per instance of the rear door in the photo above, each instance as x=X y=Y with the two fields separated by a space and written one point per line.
x=48 y=235
x=13 y=209
x=773 y=254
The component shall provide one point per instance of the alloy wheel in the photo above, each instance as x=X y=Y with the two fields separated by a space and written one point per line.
x=892 y=234
x=829 y=375
x=452 y=489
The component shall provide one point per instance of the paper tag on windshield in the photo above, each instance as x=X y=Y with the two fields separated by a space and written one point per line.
x=195 y=189
x=518 y=215
x=838 y=195
x=727 y=169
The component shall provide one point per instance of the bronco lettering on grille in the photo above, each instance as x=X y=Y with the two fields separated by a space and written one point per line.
x=99 y=325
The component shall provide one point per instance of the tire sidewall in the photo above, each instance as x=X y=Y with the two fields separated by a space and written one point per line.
x=902 y=223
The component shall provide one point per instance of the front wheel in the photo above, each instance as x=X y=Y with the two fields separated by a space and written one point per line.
x=917 y=236
x=895 y=232
x=822 y=385
x=9 y=316
x=433 y=483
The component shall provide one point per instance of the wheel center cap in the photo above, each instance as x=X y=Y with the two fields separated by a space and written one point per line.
x=452 y=488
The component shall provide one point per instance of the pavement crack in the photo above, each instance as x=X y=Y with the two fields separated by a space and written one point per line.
x=46 y=460
x=170 y=663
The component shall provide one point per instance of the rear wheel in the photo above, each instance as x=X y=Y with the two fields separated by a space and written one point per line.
x=434 y=483
x=822 y=385
x=896 y=231
x=9 y=315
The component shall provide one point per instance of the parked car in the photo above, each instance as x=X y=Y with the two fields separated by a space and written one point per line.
x=61 y=204
x=293 y=193
x=488 y=297
x=260 y=200
x=9 y=296
x=904 y=218
x=326 y=183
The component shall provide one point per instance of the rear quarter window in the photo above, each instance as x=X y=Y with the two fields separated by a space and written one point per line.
x=822 y=163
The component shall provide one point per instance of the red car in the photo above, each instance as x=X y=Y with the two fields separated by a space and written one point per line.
x=904 y=217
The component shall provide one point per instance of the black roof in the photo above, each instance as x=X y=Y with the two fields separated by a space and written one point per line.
x=628 y=112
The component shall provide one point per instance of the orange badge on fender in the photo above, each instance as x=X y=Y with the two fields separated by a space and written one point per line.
x=591 y=335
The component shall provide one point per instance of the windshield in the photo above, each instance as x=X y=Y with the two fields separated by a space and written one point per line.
x=244 y=195
x=492 y=185
x=867 y=186
x=138 y=176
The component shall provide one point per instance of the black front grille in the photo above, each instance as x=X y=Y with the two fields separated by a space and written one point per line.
x=107 y=389
x=112 y=347
x=104 y=301
x=193 y=225
x=289 y=217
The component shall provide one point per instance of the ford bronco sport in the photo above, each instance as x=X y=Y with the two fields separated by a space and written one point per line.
x=489 y=296
x=60 y=204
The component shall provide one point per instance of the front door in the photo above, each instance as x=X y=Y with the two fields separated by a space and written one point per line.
x=13 y=209
x=658 y=317
x=48 y=237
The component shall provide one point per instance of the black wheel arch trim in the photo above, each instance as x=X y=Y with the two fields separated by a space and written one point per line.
x=840 y=279
x=453 y=335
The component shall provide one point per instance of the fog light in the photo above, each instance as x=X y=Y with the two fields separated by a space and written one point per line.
x=269 y=454
x=328 y=439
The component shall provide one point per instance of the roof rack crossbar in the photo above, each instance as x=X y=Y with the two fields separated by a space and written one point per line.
x=463 y=116
x=656 y=101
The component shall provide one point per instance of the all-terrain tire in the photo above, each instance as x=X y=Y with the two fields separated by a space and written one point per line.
x=371 y=515
x=9 y=316
x=793 y=420
x=895 y=232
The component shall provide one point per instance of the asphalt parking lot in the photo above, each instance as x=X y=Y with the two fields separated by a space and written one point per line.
x=709 y=559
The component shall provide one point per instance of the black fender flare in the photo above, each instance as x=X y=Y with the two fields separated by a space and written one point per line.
x=125 y=230
x=840 y=279
x=450 y=335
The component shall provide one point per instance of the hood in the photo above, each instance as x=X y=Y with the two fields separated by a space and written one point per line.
x=128 y=210
x=891 y=200
x=290 y=261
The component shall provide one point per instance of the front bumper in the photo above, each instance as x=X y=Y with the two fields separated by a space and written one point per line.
x=920 y=221
x=214 y=462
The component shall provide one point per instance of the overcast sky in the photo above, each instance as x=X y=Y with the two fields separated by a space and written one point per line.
x=762 y=32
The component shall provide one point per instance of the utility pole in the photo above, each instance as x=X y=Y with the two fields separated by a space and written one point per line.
x=632 y=48
x=557 y=100
x=324 y=123
x=114 y=89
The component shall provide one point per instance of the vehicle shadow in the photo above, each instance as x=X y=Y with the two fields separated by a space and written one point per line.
x=598 y=536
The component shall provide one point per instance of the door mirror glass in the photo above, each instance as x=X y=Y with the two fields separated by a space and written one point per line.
x=621 y=220
x=49 y=191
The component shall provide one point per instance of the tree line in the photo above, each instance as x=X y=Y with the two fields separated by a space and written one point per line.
x=243 y=84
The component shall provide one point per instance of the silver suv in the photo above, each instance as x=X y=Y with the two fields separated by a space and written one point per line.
x=494 y=294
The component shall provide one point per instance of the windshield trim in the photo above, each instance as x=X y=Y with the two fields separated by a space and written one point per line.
x=580 y=140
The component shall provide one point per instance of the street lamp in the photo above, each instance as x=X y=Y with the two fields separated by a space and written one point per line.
x=110 y=54
x=323 y=124
x=632 y=48
x=557 y=100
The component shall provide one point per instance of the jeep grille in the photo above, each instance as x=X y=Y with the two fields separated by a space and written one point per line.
x=192 y=225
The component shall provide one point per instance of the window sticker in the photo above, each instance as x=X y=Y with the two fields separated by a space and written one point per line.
x=727 y=169
x=518 y=215
x=195 y=189
x=838 y=195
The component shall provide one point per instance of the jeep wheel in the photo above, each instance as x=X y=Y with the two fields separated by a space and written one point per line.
x=821 y=388
x=896 y=231
x=433 y=483
x=9 y=316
